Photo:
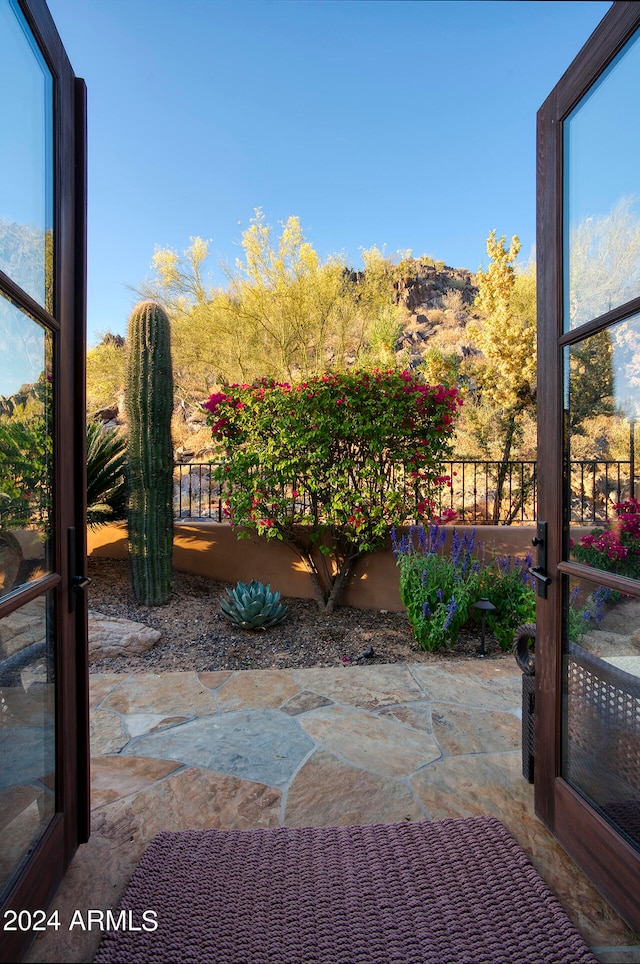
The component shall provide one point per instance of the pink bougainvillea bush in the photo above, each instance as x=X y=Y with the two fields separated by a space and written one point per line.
x=616 y=548
x=329 y=464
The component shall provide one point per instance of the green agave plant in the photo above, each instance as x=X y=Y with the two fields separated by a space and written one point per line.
x=253 y=606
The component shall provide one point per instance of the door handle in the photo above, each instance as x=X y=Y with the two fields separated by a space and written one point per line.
x=543 y=580
x=539 y=572
x=76 y=583
x=79 y=582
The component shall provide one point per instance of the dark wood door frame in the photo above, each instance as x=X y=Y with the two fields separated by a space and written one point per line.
x=40 y=878
x=611 y=862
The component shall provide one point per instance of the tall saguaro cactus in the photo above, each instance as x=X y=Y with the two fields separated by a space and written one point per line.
x=149 y=406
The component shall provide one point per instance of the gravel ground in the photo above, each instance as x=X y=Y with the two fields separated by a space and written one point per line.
x=196 y=636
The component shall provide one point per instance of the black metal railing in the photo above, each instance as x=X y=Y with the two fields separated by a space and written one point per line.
x=492 y=493
x=196 y=495
x=596 y=487
x=481 y=492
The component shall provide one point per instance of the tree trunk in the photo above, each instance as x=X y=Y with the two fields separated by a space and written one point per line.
x=306 y=555
x=503 y=468
x=339 y=583
x=327 y=595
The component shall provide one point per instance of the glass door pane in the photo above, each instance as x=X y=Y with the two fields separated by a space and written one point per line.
x=602 y=193
x=27 y=732
x=26 y=158
x=28 y=780
x=601 y=732
x=26 y=449
x=601 y=634
x=602 y=404
x=600 y=726
x=27 y=634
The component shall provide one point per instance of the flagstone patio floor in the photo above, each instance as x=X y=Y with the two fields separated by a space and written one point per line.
x=265 y=748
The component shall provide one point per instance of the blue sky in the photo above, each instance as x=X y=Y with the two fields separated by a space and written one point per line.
x=388 y=123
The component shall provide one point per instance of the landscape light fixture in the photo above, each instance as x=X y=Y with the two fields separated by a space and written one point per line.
x=485 y=607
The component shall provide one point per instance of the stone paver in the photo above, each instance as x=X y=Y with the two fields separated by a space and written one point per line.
x=172 y=694
x=303 y=703
x=461 y=729
x=113 y=777
x=369 y=687
x=101 y=684
x=415 y=715
x=470 y=785
x=212 y=680
x=494 y=693
x=257 y=688
x=106 y=732
x=356 y=797
x=370 y=742
x=191 y=798
x=502 y=668
x=262 y=745
x=139 y=723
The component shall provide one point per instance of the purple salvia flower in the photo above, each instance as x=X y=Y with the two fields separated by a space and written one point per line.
x=469 y=541
x=451 y=611
x=456 y=549
x=600 y=596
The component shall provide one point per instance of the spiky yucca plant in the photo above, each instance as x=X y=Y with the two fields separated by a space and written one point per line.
x=253 y=606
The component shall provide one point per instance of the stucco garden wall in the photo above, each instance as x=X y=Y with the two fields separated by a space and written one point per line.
x=213 y=549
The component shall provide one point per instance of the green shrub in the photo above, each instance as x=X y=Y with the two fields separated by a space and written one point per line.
x=439 y=589
x=329 y=463
x=508 y=585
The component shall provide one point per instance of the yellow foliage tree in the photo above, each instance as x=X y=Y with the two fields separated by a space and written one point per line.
x=282 y=299
x=105 y=372
x=283 y=313
x=505 y=375
x=506 y=335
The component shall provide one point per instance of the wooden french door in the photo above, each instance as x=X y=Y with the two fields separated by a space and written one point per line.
x=43 y=665
x=587 y=778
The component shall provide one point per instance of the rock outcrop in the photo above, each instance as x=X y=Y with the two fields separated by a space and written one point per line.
x=110 y=636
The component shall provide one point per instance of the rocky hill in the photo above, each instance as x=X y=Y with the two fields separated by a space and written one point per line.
x=435 y=299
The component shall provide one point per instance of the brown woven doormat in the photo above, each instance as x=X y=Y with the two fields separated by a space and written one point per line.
x=442 y=892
